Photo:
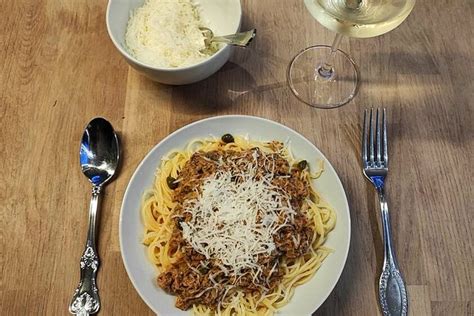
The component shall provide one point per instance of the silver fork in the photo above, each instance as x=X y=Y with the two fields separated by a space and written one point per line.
x=392 y=292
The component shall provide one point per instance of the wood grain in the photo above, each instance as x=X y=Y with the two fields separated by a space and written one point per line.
x=59 y=69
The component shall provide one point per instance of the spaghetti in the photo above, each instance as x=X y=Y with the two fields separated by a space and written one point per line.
x=273 y=267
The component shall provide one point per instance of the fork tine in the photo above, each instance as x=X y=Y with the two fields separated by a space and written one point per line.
x=371 y=133
x=364 y=138
x=385 y=140
x=378 y=140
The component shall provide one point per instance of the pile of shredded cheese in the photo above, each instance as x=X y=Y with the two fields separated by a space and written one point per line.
x=164 y=33
x=234 y=222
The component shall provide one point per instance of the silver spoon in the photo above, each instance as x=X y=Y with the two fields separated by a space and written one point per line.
x=99 y=158
x=242 y=39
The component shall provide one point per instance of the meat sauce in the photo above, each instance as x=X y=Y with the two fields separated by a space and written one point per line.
x=195 y=280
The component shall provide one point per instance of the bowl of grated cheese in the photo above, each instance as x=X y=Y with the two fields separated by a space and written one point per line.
x=162 y=40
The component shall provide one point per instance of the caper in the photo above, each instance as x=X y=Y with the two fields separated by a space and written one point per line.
x=302 y=164
x=203 y=270
x=227 y=138
x=172 y=184
x=179 y=220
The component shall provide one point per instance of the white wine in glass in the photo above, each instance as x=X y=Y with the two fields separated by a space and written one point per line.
x=324 y=76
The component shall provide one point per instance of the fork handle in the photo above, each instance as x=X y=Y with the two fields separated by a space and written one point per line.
x=392 y=292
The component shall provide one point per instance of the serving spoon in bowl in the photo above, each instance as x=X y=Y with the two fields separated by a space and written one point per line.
x=241 y=39
x=99 y=158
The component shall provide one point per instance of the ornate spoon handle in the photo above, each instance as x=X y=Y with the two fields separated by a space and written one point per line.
x=392 y=292
x=86 y=299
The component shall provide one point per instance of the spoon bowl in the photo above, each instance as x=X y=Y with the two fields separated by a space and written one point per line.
x=99 y=153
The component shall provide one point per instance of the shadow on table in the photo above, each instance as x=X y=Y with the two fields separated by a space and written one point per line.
x=218 y=92
x=402 y=62
x=230 y=86
x=426 y=94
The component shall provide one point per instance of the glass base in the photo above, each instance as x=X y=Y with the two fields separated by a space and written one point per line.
x=319 y=87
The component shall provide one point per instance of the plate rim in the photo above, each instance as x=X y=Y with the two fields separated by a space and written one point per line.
x=233 y=116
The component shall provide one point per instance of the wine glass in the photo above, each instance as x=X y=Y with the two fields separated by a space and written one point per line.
x=326 y=77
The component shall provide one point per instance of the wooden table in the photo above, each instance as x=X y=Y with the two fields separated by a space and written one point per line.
x=59 y=69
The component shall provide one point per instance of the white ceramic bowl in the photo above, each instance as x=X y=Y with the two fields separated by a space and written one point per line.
x=309 y=296
x=223 y=17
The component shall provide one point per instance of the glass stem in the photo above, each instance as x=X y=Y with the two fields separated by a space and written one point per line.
x=326 y=69
x=353 y=4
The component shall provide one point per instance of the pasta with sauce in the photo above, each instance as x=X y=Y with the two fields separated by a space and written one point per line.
x=234 y=225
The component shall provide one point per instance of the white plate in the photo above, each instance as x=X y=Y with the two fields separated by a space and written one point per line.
x=308 y=297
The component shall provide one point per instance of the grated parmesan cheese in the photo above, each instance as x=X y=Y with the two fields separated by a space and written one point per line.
x=165 y=33
x=234 y=222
